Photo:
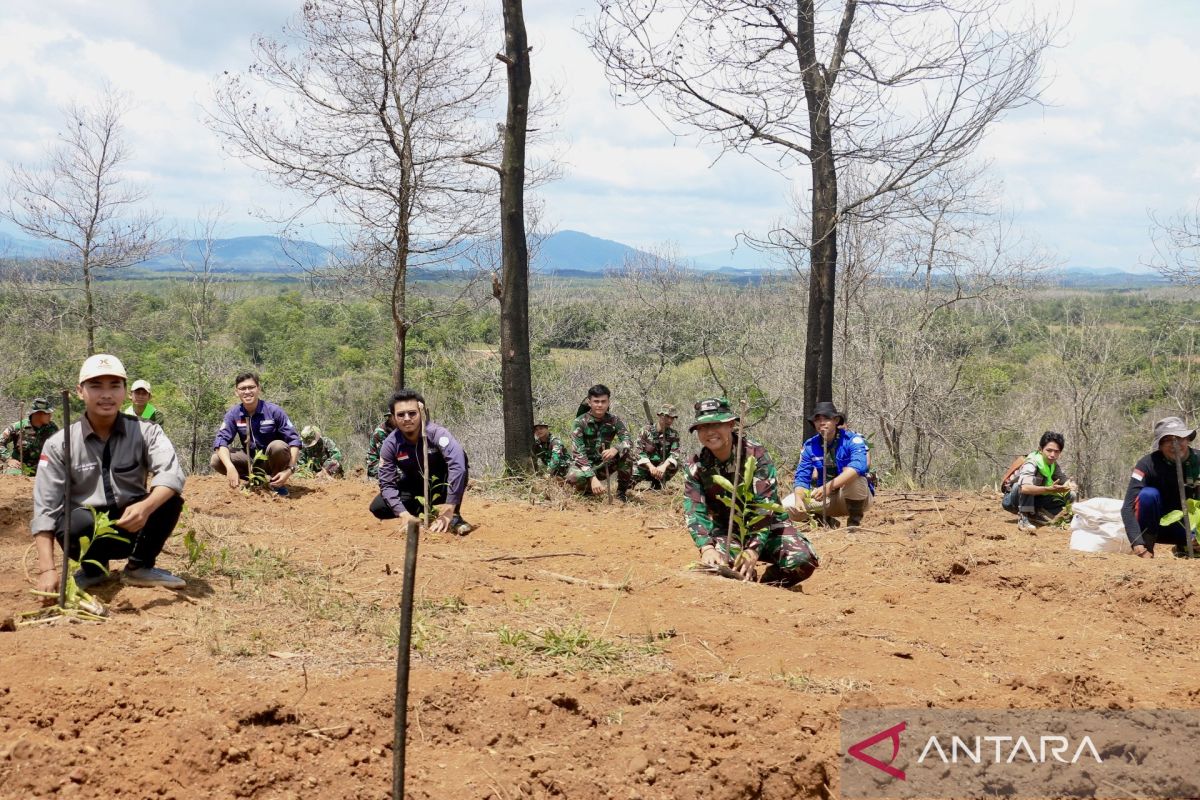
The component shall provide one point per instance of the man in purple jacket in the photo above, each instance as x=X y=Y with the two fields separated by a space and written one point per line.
x=401 y=481
x=261 y=427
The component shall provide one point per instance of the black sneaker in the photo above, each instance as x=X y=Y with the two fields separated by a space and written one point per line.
x=460 y=527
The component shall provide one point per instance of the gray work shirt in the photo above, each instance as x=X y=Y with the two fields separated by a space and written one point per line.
x=111 y=473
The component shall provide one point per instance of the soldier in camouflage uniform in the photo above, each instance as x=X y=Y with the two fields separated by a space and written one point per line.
x=549 y=453
x=773 y=539
x=658 y=455
x=601 y=446
x=381 y=432
x=319 y=453
x=21 y=443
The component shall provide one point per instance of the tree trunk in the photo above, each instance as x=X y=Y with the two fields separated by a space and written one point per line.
x=89 y=313
x=514 y=299
x=399 y=317
x=822 y=273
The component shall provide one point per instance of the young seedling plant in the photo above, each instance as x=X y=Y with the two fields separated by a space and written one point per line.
x=1172 y=517
x=747 y=510
x=257 y=478
x=79 y=604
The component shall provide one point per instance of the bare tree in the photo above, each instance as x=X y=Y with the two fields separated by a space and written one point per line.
x=371 y=115
x=900 y=89
x=81 y=204
x=1176 y=242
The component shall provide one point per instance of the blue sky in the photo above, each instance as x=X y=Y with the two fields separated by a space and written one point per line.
x=1118 y=136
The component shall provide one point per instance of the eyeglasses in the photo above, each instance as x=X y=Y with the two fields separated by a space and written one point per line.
x=244 y=389
x=407 y=414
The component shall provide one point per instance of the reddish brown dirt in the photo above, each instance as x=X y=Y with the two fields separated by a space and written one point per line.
x=272 y=675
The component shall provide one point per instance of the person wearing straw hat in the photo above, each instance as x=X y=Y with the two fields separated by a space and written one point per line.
x=845 y=492
x=112 y=457
x=319 y=453
x=772 y=539
x=1153 y=489
x=140 y=405
x=22 y=441
x=658 y=458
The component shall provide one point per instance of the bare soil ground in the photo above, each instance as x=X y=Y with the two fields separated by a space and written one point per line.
x=562 y=649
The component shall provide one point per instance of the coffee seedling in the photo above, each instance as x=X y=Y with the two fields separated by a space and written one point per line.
x=79 y=604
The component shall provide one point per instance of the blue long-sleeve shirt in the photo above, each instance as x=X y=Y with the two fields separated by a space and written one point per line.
x=400 y=459
x=268 y=423
x=849 y=450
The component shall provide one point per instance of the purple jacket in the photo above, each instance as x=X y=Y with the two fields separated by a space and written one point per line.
x=399 y=458
x=270 y=422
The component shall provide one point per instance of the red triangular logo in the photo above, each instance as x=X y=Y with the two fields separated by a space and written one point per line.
x=892 y=733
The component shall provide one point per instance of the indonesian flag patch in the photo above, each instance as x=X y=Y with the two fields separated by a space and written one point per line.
x=1138 y=475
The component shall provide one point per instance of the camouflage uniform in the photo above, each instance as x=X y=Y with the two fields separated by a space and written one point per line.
x=321 y=454
x=377 y=436
x=589 y=437
x=774 y=538
x=656 y=447
x=551 y=456
x=23 y=442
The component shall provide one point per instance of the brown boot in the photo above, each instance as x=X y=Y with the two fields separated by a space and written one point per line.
x=854 y=512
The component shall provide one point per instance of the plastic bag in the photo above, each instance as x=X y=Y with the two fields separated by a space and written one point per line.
x=1097 y=526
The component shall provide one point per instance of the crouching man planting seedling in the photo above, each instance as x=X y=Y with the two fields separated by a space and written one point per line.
x=763 y=530
x=111 y=457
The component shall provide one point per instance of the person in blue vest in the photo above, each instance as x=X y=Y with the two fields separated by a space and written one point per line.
x=261 y=427
x=831 y=477
x=1040 y=488
x=140 y=406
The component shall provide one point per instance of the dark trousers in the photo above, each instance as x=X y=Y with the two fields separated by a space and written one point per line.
x=1149 y=509
x=143 y=546
x=412 y=489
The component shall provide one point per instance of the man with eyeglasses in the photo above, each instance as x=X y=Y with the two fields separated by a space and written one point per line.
x=402 y=464
x=658 y=456
x=1153 y=489
x=1039 y=489
x=768 y=535
x=261 y=427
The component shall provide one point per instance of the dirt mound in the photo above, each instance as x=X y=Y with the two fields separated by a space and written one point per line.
x=561 y=650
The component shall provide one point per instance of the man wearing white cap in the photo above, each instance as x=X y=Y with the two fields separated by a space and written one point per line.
x=141 y=407
x=112 y=455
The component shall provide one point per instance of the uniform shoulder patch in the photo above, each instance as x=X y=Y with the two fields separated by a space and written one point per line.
x=442 y=442
x=856 y=440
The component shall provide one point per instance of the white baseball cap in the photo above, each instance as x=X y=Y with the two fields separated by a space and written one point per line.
x=140 y=384
x=100 y=365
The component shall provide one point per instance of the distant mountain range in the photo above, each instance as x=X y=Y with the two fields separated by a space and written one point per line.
x=565 y=253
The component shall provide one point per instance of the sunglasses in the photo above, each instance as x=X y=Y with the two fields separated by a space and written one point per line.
x=407 y=414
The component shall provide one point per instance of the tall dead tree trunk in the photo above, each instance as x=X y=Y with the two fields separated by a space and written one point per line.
x=514 y=299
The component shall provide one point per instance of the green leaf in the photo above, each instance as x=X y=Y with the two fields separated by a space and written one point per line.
x=1171 y=518
x=723 y=482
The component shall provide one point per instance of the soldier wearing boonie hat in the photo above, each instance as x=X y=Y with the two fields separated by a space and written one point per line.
x=658 y=457
x=320 y=453
x=114 y=458
x=772 y=539
x=1153 y=489
x=22 y=441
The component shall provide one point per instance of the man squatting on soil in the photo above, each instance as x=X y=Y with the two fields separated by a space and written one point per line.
x=1153 y=489
x=1039 y=488
x=601 y=446
x=261 y=427
x=401 y=481
x=773 y=539
x=112 y=455
x=837 y=449
x=658 y=456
